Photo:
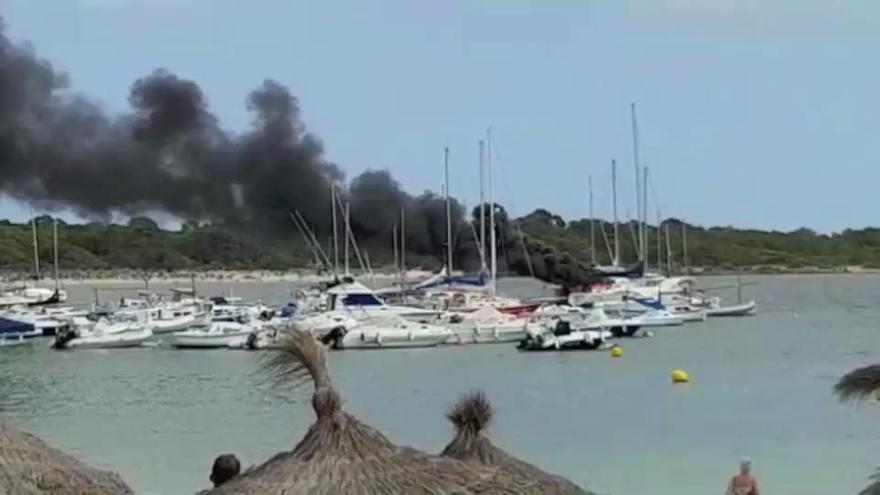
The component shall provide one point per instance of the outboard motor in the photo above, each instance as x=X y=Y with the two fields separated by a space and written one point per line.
x=251 y=342
x=62 y=338
x=562 y=328
x=334 y=337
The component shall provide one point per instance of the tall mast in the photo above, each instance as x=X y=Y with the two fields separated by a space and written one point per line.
x=493 y=257
x=616 y=260
x=36 y=249
x=644 y=214
x=668 y=252
x=592 y=223
x=347 y=237
x=394 y=248
x=335 y=234
x=635 y=138
x=659 y=243
x=482 y=205
x=684 y=246
x=448 y=214
x=402 y=243
x=55 y=250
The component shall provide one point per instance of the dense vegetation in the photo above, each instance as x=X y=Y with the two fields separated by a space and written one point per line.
x=558 y=250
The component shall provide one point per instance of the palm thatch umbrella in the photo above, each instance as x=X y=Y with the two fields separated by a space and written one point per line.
x=858 y=385
x=340 y=454
x=471 y=416
x=30 y=466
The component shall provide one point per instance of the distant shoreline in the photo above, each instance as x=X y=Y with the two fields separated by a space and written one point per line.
x=305 y=276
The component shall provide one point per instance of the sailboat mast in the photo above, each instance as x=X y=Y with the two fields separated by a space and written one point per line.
x=448 y=214
x=482 y=205
x=394 y=247
x=668 y=252
x=36 y=249
x=659 y=243
x=335 y=230
x=684 y=246
x=644 y=214
x=402 y=244
x=347 y=237
x=493 y=257
x=55 y=249
x=616 y=260
x=592 y=222
x=635 y=138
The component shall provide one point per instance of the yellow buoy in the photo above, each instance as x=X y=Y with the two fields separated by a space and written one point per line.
x=680 y=376
x=617 y=351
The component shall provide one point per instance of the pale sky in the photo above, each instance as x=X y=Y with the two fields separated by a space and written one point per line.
x=752 y=113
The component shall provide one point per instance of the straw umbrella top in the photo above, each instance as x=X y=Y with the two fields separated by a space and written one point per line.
x=340 y=454
x=30 y=466
x=471 y=416
x=856 y=385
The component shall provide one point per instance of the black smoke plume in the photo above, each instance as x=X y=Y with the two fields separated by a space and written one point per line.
x=169 y=153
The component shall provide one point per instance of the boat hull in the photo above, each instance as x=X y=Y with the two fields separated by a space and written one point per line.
x=489 y=334
x=114 y=341
x=224 y=341
x=745 y=309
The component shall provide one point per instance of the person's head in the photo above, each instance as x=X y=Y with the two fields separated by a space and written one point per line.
x=225 y=468
x=745 y=465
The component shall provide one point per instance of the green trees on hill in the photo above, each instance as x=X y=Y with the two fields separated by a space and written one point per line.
x=558 y=250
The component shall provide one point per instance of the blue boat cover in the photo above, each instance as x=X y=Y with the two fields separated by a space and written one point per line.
x=14 y=327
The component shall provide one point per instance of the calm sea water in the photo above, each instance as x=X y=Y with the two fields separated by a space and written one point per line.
x=761 y=387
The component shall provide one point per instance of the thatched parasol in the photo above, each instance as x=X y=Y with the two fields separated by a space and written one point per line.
x=471 y=416
x=30 y=466
x=857 y=385
x=874 y=487
x=340 y=454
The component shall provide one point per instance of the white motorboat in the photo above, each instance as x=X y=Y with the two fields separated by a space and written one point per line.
x=362 y=302
x=32 y=296
x=266 y=338
x=484 y=326
x=175 y=318
x=218 y=335
x=387 y=332
x=657 y=318
x=14 y=340
x=99 y=339
x=687 y=313
x=742 y=309
x=13 y=330
x=323 y=323
x=81 y=325
x=559 y=335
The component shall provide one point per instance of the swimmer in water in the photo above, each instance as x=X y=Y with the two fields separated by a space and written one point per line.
x=744 y=483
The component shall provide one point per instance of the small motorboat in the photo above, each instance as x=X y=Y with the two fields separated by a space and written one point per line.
x=486 y=326
x=387 y=332
x=264 y=339
x=561 y=336
x=742 y=309
x=218 y=335
x=16 y=340
x=322 y=324
x=98 y=339
x=16 y=333
x=687 y=313
x=176 y=319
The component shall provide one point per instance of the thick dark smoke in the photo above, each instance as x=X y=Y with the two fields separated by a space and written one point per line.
x=169 y=153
